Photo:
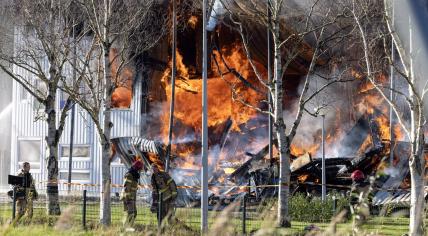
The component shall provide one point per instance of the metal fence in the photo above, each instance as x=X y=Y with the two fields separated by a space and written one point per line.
x=243 y=215
x=83 y=210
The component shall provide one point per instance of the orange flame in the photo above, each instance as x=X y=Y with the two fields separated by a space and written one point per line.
x=221 y=103
x=303 y=178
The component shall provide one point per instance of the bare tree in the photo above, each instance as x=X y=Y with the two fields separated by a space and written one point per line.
x=310 y=32
x=375 y=28
x=121 y=31
x=44 y=33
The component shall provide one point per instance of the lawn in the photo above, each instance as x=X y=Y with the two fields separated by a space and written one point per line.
x=188 y=223
x=377 y=226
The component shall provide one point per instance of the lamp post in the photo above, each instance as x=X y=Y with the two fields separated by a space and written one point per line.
x=204 y=177
x=323 y=180
x=173 y=73
x=391 y=97
x=322 y=111
x=73 y=115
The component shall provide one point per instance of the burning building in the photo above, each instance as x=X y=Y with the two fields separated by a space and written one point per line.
x=358 y=129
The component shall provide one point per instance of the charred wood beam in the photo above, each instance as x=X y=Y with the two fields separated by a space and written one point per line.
x=316 y=163
x=242 y=173
x=355 y=137
x=366 y=162
x=218 y=133
x=224 y=134
x=374 y=131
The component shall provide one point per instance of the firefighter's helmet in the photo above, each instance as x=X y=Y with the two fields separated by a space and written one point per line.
x=357 y=175
x=137 y=165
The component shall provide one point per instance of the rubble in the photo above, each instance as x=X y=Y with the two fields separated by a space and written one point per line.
x=261 y=174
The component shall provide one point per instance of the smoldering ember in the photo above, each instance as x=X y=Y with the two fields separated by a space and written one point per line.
x=277 y=117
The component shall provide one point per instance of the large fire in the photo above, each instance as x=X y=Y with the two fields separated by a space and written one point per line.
x=232 y=82
x=221 y=105
x=224 y=90
x=372 y=103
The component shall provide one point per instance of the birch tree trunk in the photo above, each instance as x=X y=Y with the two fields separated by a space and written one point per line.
x=417 y=170
x=283 y=144
x=105 y=209
x=417 y=200
x=52 y=138
x=53 y=134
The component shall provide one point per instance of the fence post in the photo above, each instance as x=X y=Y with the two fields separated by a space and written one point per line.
x=334 y=213
x=160 y=211
x=14 y=203
x=334 y=205
x=244 y=214
x=249 y=186
x=84 y=210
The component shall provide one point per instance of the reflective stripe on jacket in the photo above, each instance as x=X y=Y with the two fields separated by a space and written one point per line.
x=130 y=188
x=163 y=184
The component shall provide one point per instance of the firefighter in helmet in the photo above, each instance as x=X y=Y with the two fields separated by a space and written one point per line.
x=129 y=192
x=26 y=194
x=361 y=197
x=360 y=187
x=163 y=187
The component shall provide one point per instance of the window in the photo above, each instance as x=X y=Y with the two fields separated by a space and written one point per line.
x=78 y=151
x=29 y=151
x=82 y=176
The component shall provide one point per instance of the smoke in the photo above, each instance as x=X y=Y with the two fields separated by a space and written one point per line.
x=410 y=18
x=391 y=171
x=217 y=11
x=6 y=111
x=329 y=102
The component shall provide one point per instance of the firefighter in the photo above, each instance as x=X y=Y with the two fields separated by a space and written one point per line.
x=360 y=187
x=361 y=196
x=163 y=187
x=26 y=194
x=129 y=193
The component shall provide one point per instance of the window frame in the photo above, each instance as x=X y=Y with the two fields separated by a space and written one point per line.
x=88 y=181
x=40 y=163
x=66 y=158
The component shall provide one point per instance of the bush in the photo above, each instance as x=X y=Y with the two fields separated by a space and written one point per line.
x=314 y=210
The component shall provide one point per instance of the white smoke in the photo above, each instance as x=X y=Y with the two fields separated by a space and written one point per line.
x=217 y=11
x=391 y=171
x=332 y=99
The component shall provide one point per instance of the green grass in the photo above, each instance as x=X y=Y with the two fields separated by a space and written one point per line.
x=378 y=226
x=189 y=222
